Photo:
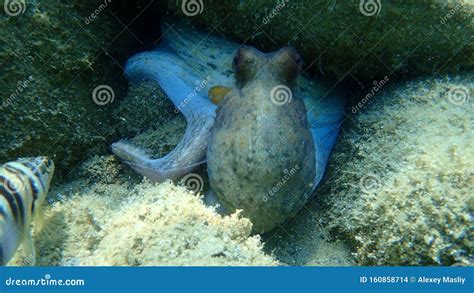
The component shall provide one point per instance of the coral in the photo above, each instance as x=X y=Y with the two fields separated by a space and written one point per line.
x=408 y=37
x=144 y=224
x=51 y=62
x=404 y=193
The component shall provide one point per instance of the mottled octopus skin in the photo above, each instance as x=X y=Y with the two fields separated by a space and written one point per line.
x=264 y=159
x=255 y=141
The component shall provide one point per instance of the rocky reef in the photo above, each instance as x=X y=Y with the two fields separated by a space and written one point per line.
x=400 y=180
x=338 y=39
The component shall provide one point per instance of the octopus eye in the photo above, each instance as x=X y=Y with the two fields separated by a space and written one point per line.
x=236 y=61
x=298 y=59
x=241 y=57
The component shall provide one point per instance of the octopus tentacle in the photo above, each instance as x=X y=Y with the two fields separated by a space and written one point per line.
x=186 y=65
x=172 y=74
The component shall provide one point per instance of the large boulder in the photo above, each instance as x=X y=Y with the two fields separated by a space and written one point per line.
x=400 y=181
x=363 y=39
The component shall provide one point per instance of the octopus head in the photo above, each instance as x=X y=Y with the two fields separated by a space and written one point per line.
x=283 y=65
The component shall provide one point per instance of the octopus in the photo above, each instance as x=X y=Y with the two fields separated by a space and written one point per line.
x=267 y=141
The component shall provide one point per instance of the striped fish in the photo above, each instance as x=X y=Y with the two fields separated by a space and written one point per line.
x=24 y=184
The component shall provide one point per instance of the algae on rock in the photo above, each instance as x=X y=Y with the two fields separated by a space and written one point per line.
x=401 y=175
x=340 y=37
x=51 y=63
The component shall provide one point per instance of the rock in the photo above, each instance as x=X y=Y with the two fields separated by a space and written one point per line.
x=400 y=180
x=52 y=61
x=100 y=169
x=145 y=106
x=368 y=39
x=123 y=224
